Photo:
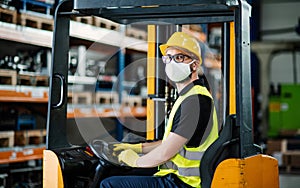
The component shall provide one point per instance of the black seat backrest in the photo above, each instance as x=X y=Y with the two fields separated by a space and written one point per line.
x=226 y=146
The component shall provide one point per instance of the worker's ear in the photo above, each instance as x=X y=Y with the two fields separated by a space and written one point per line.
x=195 y=66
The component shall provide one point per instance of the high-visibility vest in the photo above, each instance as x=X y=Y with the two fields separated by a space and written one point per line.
x=186 y=163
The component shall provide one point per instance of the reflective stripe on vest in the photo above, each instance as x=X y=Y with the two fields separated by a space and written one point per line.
x=186 y=163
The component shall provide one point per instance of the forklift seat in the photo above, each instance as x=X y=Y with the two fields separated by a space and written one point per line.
x=226 y=146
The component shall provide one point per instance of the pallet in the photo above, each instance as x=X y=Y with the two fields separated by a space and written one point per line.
x=136 y=33
x=282 y=145
x=35 y=21
x=84 y=19
x=104 y=23
x=33 y=79
x=286 y=151
x=8 y=15
x=132 y=101
x=30 y=137
x=80 y=97
x=6 y=138
x=106 y=97
x=291 y=160
x=8 y=77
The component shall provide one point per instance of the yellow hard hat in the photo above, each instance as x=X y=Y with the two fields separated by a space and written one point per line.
x=185 y=41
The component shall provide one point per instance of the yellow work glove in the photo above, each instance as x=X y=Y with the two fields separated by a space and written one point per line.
x=123 y=146
x=128 y=157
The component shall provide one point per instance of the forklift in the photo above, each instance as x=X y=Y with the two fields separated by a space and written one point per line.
x=233 y=160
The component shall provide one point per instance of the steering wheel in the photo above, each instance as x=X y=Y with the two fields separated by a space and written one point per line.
x=103 y=151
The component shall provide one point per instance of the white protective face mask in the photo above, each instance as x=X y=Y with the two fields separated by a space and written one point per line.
x=178 y=71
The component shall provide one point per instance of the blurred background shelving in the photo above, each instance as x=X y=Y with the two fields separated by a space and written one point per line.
x=25 y=59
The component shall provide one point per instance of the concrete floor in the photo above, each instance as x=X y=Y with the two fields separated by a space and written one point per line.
x=289 y=180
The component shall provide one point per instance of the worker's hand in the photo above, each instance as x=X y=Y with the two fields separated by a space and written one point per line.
x=123 y=146
x=128 y=157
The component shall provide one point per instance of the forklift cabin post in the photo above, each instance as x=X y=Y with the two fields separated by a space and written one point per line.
x=57 y=105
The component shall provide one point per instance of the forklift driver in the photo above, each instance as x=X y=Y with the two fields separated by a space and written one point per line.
x=192 y=126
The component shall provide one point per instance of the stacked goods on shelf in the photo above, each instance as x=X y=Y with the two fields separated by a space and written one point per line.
x=104 y=23
x=8 y=77
x=8 y=15
x=26 y=67
x=39 y=22
x=84 y=97
x=102 y=97
x=33 y=79
x=26 y=19
x=32 y=26
x=283 y=111
x=30 y=137
x=30 y=13
x=132 y=100
x=104 y=104
x=287 y=152
x=283 y=130
x=136 y=33
x=21 y=113
x=43 y=20
x=7 y=138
